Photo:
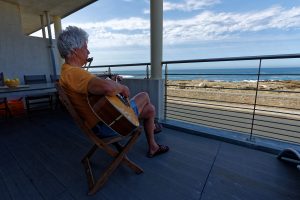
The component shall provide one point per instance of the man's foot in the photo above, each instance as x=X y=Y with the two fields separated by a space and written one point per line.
x=161 y=149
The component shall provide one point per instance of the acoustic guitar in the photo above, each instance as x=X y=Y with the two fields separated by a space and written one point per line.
x=115 y=112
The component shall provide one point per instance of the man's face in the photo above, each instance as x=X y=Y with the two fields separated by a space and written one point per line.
x=82 y=53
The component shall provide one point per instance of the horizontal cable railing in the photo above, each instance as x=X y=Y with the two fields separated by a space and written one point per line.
x=252 y=110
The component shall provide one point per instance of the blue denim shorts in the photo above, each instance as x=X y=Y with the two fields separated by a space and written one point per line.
x=103 y=131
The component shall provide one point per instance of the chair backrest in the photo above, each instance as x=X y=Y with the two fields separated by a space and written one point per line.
x=67 y=103
x=54 y=78
x=1 y=79
x=80 y=122
x=35 y=79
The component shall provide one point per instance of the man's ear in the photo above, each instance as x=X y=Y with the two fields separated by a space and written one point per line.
x=73 y=52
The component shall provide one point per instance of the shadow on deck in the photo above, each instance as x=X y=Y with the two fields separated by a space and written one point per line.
x=40 y=159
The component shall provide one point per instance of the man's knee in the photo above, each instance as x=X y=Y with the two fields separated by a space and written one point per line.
x=145 y=96
x=151 y=109
x=148 y=111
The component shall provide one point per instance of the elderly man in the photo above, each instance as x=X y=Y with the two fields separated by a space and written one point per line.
x=78 y=83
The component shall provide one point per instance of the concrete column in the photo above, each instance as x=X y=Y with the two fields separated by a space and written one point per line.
x=53 y=59
x=57 y=25
x=156 y=15
x=58 y=30
x=43 y=26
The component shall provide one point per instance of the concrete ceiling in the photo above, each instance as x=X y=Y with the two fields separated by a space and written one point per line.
x=32 y=9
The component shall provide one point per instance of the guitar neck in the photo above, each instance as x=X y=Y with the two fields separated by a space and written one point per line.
x=110 y=76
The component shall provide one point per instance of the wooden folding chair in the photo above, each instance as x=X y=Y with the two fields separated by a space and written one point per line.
x=104 y=144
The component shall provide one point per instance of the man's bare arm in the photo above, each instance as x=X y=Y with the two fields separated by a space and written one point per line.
x=100 y=86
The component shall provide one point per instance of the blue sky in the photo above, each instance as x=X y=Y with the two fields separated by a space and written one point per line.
x=119 y=30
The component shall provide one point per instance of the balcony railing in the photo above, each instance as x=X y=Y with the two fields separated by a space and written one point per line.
x=253 y=110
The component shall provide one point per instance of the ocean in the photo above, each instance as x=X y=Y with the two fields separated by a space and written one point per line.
x=230 y=75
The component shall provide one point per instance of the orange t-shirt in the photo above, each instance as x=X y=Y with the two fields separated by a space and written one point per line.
x=75 y=81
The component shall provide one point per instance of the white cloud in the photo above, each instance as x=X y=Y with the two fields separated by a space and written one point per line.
x=118 y=32
x=189 y=5
x=216 y=26
x=132 y=23
x=205 y=26
x=146 y=11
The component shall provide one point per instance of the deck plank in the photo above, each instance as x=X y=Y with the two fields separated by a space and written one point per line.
x=49 y=187
x=18 y=184
x=4 y=192
x=251 y=174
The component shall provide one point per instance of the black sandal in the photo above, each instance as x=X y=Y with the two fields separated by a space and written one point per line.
x=162 y=149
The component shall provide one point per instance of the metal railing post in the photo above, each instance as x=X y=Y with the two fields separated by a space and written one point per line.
x=255 y=100
x=109 y=72
x=166 y=92
x=147 y=71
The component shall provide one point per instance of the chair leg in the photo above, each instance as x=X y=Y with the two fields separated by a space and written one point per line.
x=27 y=106
x=119 y=158
x=50 y=102
x=7 y=110
x=90 y=152
x=87 y=166
x=56 y=101
x=128 y=162
x=109 y=170
x=89 y=172
x=132 y=165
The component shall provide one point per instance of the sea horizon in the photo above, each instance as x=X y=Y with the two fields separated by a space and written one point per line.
x=220 y=74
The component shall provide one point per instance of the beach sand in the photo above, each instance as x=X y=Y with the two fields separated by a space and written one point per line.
x=284 y=94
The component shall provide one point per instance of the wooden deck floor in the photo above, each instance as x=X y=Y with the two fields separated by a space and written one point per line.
x=40 y=159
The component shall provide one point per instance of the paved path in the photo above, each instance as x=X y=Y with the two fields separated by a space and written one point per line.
x=268 y=122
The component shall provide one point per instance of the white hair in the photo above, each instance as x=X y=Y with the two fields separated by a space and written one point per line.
x=71 y=38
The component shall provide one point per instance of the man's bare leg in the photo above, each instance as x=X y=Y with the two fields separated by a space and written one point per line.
x=147 y=113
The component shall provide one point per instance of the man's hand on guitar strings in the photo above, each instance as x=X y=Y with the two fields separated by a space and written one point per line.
x=125 y=91
x=124 y=100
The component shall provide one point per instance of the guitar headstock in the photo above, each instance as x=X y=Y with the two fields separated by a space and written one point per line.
x=114 y=77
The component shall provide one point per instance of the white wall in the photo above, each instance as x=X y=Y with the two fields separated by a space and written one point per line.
x=155 y=89
x=20 y=54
